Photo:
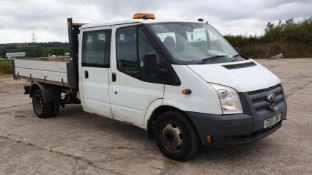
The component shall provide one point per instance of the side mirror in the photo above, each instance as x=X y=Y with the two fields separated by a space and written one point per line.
x=150 y=63
x=151 y=67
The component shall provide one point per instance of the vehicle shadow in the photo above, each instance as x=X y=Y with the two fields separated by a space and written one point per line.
x=229 y=152
x=75 y=114
x=138 y=136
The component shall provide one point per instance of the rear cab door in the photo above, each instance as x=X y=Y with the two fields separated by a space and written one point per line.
x=94 y=64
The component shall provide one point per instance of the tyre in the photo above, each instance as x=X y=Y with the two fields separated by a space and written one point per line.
x=175 y=136
x=55 y=108
x=40 y=107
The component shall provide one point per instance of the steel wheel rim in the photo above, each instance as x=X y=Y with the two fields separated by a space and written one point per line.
x=38 y=104
x=172 y=137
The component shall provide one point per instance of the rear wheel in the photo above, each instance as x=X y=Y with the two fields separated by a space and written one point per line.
x=40 y=107
x=55 y=108
x=175 y=136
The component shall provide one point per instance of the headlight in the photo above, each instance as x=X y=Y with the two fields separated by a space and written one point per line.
x=229 y=99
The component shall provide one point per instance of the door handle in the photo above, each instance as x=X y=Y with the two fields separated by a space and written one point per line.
x=114 y=77
x=86 y=74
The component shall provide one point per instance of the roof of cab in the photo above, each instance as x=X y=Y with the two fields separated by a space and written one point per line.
x=132 y=21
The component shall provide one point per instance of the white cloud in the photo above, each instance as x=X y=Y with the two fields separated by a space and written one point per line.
x=20 y=18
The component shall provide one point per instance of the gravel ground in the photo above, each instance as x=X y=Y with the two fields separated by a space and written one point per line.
x=75 y=142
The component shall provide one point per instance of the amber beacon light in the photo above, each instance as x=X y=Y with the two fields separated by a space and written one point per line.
x=143 y=16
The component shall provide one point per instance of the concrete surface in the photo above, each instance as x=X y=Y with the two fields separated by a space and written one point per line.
x=75 y=142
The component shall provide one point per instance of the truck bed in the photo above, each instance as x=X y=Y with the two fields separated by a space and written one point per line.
x=52 y=72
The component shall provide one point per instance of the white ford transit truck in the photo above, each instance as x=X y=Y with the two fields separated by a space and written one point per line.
x=180 y=81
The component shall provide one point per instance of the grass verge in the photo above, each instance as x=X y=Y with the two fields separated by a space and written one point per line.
x=5 y=67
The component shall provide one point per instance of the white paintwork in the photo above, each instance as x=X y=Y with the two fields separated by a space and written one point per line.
x=243 y=79
x=134 y=101
x=94 y=89
x=45 y=70
x=130 y=22
x=203 y=98
x=150 y=109
x=130 y=97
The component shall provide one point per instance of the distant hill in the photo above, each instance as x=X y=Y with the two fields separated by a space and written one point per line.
x=35 y=49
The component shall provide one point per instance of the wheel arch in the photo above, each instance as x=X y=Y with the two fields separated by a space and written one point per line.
x=33 y=87
x=50 y=93
x=158 y=111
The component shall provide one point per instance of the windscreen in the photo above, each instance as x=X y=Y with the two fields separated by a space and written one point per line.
x=193 y=42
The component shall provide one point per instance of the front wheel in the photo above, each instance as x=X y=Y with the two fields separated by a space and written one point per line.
x=175 y=136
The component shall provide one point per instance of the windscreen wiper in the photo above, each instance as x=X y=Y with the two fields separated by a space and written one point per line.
x=240 y=55
x=213 y=58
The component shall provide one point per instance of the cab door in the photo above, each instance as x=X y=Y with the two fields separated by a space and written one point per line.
x=131 y=91
x=94 y=71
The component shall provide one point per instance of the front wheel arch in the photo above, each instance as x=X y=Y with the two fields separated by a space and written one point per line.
x=158 y=111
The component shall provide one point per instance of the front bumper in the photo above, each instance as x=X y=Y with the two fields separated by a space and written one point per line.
x=230 y=129
x=241 y=128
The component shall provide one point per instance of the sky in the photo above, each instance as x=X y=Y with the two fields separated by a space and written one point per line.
x=20 y=19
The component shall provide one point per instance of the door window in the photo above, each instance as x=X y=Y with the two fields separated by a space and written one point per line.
x=96 y=48
x=145 y=47
x=127 y=59
x=132 y=45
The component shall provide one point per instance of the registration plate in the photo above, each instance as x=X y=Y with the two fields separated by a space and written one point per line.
x=272 y=121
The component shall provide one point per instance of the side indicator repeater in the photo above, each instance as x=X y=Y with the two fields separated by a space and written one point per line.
x=186 y=91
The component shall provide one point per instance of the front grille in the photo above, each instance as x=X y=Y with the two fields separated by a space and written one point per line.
x=259 y=97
